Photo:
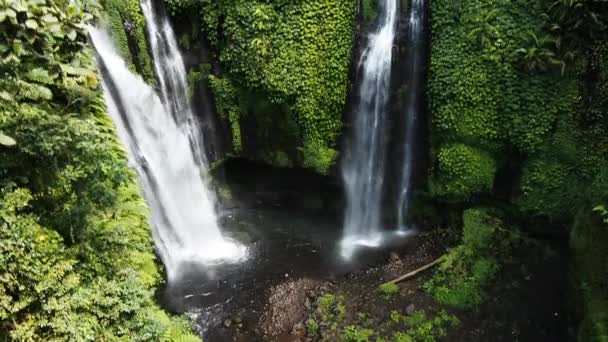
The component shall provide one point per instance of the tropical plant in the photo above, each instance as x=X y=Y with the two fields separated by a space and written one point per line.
x=577 y=20
x=541 y=55
x=484 y=32
x=601 y=209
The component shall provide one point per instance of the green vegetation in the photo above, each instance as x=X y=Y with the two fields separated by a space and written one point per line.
x=295 y=55
x=77 y=260
x=312 y=327
x=462 y=171
x=353 y=334
x=126 y=22
x=423 y=329
x=465 y=272
x=370 y=10
x=518 y=92
x=331 y=308
x=331 y=322
x=521 y=84
x=388 y=290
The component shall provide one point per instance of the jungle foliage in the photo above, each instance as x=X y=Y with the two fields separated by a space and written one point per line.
x=294 y=54
x=76 y=256
x=466 y=271
x=126 y=22
x=518 y=97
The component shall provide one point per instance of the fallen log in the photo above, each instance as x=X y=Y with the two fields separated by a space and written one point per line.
x=415 y=272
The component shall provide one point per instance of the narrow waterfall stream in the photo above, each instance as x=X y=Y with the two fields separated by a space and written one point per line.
x=171 y=75
x=364 y=162
x=415 y=89
x=159 y=138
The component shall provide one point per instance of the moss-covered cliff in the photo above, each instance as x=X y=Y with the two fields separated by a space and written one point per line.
x=284 y=75
x=517 y=93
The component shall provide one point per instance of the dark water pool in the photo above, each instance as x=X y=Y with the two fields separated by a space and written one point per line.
x=281 y=245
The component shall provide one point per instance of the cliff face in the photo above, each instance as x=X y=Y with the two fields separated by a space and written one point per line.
x=278 y=72
x=517 y=121
x=513 y=119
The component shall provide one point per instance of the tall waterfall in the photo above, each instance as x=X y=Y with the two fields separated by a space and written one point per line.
x=162 y=147
x=363 y=165
x=415 y=87
x=171 y=75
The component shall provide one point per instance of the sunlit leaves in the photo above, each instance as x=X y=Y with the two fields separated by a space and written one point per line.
x=5 y=140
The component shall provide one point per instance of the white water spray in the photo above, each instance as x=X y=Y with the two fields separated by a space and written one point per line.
x=162 y=146
x=363 y=165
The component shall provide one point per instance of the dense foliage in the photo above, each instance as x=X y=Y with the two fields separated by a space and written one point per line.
x=76 y=257
x=468 y=268
x=517 y=93
x=282 y=59
x=126 y=22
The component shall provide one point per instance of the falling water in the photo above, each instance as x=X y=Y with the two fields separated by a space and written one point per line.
x=363 y=165
x=171 y=75
x=413 y=99
x=159 y=145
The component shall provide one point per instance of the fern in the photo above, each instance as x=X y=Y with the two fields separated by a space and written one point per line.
x=175 y=335
x=40 y=75
x=30 y=91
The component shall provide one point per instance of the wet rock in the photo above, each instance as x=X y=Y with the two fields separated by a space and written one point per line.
x=307 y=304
x=410 y=309
x=298 y=329
x=394 y=256
x=227 y=323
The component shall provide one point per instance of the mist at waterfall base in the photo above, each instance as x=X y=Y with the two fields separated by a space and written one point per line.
x=161 y=149
x=364 y=162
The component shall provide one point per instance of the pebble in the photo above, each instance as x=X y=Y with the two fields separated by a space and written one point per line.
x=297 y=328
x=410 y=309
x=394 y=256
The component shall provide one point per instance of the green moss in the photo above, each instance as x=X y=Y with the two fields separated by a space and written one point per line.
x=331 y=308
x=370 y=10
x=388 y=290
x=462 y=171
x=227 y=104
x=464 y=274
x=296 y=55
x=589 y=238
x=318 y=157
x=478 y=93
x=131 y=41
x=312 y=327
x=424 y=329
x=547 y=189
x=354 y=334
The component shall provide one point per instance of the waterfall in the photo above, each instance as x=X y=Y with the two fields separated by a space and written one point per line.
x=363 y=164
x=415 y=87
x=171 y=75
x=161 y=145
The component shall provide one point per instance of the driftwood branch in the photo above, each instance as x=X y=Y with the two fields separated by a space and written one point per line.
x=415 y=272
